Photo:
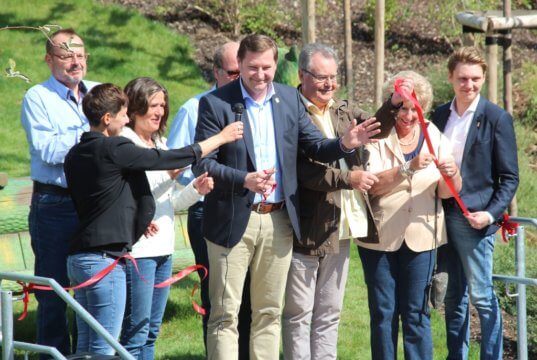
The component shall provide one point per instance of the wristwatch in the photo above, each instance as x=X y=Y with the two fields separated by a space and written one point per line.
x=405 y=170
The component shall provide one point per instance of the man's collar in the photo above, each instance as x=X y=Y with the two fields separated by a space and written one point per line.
x=63 y=90
x=268 y=96
x=314 y=108
x=472 y=108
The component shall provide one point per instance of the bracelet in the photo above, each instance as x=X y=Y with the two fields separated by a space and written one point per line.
x=405 y=170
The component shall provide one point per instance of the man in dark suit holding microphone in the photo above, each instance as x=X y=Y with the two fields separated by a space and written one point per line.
x=484 y=147
x=253 y=210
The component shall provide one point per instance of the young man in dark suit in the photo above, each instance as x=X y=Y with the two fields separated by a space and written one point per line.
x=253 y=210
x=484 y=147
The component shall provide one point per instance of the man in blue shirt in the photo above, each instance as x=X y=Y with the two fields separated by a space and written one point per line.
x=53 y=120
x=182 y=131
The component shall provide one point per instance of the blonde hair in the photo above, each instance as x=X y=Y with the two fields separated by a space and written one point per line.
x=466 y=55
x=422 y=88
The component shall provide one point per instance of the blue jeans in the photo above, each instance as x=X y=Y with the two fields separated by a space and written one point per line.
x=52 y=222
x=105 y=300
x=199 y=247
x=470 y=278
x=145 y=305
x=397 y=284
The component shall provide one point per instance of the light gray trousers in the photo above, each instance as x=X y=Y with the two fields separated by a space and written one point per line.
x=313 y=303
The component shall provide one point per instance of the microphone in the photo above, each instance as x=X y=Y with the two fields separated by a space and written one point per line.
x=238 y=108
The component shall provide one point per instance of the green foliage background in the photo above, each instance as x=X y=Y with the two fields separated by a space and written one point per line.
x=122 y=44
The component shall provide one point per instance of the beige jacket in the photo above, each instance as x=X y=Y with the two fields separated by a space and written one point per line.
x=407 y=212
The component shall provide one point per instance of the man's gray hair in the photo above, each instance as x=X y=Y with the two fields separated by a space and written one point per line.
x=304 y=60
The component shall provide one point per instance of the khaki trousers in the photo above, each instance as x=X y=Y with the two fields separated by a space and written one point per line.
x=265 y=249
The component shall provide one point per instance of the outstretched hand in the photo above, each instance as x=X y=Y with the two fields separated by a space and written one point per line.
x=175 y=173
x=204 y=184
x=361 y=134
x=232 y=132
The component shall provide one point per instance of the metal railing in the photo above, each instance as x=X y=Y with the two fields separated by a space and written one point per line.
x=8 y=343
x=521 y=280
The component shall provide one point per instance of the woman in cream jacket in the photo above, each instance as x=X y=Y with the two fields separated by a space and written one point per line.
x=410 y=221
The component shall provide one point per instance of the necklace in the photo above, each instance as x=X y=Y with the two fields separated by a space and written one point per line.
x=150 y=142
x=411 y=141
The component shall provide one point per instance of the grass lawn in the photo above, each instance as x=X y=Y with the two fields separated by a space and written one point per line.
x=122 y=45
x=181 y=333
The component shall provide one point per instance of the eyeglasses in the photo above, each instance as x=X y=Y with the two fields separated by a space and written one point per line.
x=321 y=78
x=231 y=73
x=71 y=57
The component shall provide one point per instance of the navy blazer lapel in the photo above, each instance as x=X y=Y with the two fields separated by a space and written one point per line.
x=443 y=117
x=279 y=128
x=247 y=134
x=474 y=126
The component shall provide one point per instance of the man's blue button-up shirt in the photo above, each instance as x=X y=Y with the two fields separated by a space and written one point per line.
x=54 y=121
x=261 y=122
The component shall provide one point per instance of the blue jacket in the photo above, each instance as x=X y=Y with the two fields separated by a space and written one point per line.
x=489 y=165
x=227 y=208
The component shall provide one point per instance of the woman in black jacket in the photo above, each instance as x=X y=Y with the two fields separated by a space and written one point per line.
x=106 y=178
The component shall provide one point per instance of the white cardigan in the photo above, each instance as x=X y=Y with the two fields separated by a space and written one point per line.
x=167 y=199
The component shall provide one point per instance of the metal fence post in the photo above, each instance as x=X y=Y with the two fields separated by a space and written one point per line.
x=520 y=263
x=7 y=325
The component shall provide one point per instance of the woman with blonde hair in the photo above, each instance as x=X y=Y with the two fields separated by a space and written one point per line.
x=408 y=214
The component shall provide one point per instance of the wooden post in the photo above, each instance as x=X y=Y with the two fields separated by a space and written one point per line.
x=349 y=76
x=308 y=21
x=379 y=51
x=507 y=62
x=491 y=42
x=508 y=82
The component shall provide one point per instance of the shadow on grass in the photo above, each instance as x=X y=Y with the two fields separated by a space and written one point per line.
x=119 y=17
x=57 y=12
x=180 y=56
x=183 y=356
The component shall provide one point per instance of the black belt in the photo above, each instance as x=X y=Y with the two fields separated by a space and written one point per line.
x=50 y=189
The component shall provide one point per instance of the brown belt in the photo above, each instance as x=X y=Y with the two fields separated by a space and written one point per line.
x=265 y=208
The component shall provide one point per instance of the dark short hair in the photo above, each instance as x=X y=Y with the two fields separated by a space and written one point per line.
x=102 y=99
x=139 y=91
x=257 y=43
x=50 y=42
x=466 y=55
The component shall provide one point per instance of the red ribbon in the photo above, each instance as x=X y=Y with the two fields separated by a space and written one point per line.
x=101 y=274
x=266 y=196
x=412 y=97
x=508 y=227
